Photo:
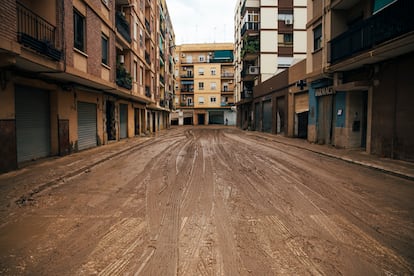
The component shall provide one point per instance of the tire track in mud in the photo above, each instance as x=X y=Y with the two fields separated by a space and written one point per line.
x=332 y=226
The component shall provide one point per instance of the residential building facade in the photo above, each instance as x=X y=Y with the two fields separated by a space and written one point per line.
x=270 y=36
x=79 y=74
x=359 y=64
x=281 y=103
x=204 y=93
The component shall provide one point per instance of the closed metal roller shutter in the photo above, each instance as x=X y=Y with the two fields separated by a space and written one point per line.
x=267 y=116
x=216 y=117
x=86 y=125
x=257 y=116
x=301 y=102
x=32 y=123
x=123 y=120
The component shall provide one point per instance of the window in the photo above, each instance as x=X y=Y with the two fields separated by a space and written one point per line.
x=141 y=75
x=250 y=17
x=135 y=29
x=285 y=39
x=201 y=58
x=213 y=71
x=135 y=73
x=200 y=99
x=79 y=31
x=213 y=86
x=317 y=37
x=213 y=99
x=105 y=49
x=201 y=71
x=141 y=39
x=201 y=85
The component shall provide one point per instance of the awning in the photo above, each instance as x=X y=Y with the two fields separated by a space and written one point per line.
x=382 y=4
x=187 y=82
x=223 y=56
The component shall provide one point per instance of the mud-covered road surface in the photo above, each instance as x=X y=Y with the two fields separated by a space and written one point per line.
x=213 y=201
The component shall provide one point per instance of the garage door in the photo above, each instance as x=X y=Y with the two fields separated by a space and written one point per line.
x=216 y=117
x=32 y=123
x=267 y=116
x=123 y=120
x=86 y=125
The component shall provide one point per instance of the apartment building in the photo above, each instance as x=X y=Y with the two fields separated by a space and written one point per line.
x=204 y=91
x=359 y=63
x=270 y=36
x=79 y=74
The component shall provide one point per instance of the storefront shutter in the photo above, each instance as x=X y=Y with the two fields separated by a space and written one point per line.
x=86 y=125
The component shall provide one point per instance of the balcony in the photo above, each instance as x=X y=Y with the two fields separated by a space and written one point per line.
x=187 y=76
x=187 y=89
x=250 y=28
x=370 y=33
x=250 y=50
x=147 y=26
x=227 y=75
x=36 y=33
x=122 y=26
x=123 y=78
x=227 y=91
x=147 y=91
x=186 y=104
x=246 y=94
x=225 y=104
x=147 y=58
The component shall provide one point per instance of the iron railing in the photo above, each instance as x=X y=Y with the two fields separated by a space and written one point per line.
x=387 y=24
x=147 y=58
x=35 y=32
x=147 y=91
x=249 y=26
x=122 y=26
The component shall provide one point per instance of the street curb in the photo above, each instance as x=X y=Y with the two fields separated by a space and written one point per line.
x=346 y=159
x=22 y=200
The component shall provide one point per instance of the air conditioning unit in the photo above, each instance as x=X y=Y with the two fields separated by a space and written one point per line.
x=288 y=21
x=253 y=70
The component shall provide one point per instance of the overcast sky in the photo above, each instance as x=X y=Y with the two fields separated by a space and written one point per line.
x=202 y=21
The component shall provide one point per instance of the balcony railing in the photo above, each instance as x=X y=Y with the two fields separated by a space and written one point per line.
x=187 y=90
x=147 y=58
x=35 y=32
x=246 y=94
x=147 y=26
x=388 y=24
x=123 y=78
x=249 y=26
x=227 y=75
x=252 y=48
x=147 y=91
x=187 y=76
x=122 y=26
x=186 y=104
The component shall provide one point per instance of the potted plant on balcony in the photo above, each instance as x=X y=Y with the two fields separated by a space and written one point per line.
x=123 y=78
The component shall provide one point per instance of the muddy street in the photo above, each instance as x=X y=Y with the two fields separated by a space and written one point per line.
x=213 y=201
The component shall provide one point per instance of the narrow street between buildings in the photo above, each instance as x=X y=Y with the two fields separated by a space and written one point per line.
x=204 y=201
